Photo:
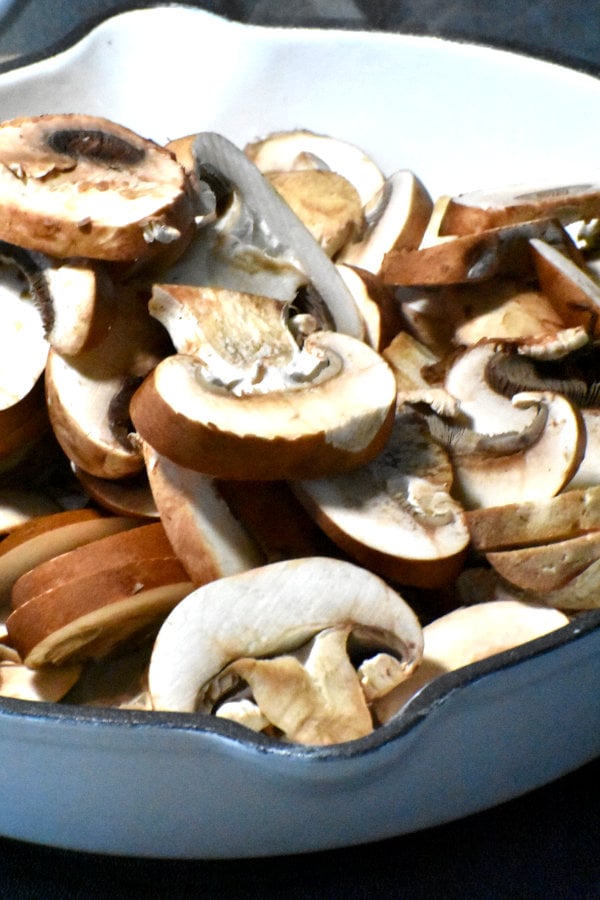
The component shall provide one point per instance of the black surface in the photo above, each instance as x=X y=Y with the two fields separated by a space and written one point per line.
x=544 y=844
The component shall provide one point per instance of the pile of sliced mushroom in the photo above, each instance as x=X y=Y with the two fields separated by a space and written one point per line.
x=283 y=437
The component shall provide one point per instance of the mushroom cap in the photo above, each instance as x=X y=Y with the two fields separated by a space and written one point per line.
x=272 y=609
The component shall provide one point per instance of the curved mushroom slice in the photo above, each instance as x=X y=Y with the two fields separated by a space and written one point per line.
x=571 y=288
x=123 y=497
x=47 y=685
x=474 y=257
x=588 y=470
x=209 y=541
x=88 y=395
x=512 y=525
x=325 y=202
x=480 y=210
x=272 y=228
x=21 y=424
x=333 y=422
x=467 y=635
x=546 y=568
x=397 y=220
x=23 y=344
x=47 y=536
x=510 y=468
x=273 y=610
x=286 y=151
x=395 y=515
x=483 y=408
x=82 y=186
x=84 y=603
x=376 y=304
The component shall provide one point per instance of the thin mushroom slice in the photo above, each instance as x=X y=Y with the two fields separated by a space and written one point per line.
x=272 y=225
x=326 y=202
x=397 y=220
x=376 y=303
x=209 y=541
x=479 y=210
x=82 y=186
x=47 y=536
x=334 y=422
x=467 y=635
x=511 y=468
x=286 y=151
x=546 y=568
x=48 y=685
x=319 y=702
x=273 y=610
x=123 y=497
x=503 y=251
x=571 y=288
x=86 y=602
x=396 y=515
x=88 y=394
x=568 y=514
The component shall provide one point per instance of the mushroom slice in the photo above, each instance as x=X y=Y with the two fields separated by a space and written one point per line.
x=206 y=537
x=334 y=421
x=546 y=568
x=44 y=537
x=397 y=220
x=82 y=186
x=376 y=303
x=574 y=291
x=481 y=407
x=48 y=685
x=88 y=394
x=326 y=202
x=511 y=468
x=286 y=151
x=473 y=257
x=480 y=210
x=273 y=227
x=467 y=635
x=85 y=602
x=123 y=497
x=319 y=702
x=511 y=525
x=23 y=344
x=272 y=610
x=396 y=515
x=21 y=424
x=588 y=471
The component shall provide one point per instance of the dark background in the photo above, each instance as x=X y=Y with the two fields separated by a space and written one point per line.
x=542 y=845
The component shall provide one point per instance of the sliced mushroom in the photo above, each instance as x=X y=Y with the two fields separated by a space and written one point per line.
x=508 y=468
x=272 y=228
x=318 y=702
x=286 y=151
x=332 y=412
x=327 y=204
x=396 y=515
x=511 y=525
x=473 y=257
x=82 y=186
x=376 y=303
x=573 y=291
x=209 y=541
x=88 y=395
x=47 y=685
x=467 y=635
x=21 y=424
x=273 y=610
x=123 y=497
x=546 y=568
x=479 y=210
x=85 y=602
x=397 y=220
x=47 y=536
